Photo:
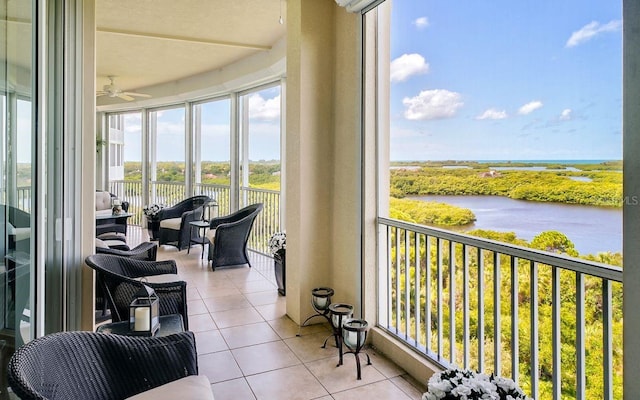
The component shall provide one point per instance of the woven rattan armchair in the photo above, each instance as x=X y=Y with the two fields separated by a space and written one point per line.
x=229 y=235
x=146 y=251
x=98 y=366
x=118 y=276
x=174 y=221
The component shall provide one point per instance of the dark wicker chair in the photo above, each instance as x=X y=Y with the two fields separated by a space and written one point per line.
x=98 y=366
x=119 y=284
x=146 y=251
x=186 y=211
x=229 y=235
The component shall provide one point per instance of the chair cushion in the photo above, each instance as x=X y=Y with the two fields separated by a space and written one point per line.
x=116 y=244
x=162 y=278
x=103 y=201
x=101 y=244
x=171 y=223
x=22 y=234
x=112 y=236
x=104 y=212
x=194 y=387
x=211 y=234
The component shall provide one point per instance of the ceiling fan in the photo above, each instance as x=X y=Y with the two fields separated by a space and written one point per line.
x=112 y=90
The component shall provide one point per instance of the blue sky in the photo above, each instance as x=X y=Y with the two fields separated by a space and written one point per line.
x=493 y=80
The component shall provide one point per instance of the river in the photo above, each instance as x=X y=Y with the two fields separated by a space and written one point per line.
x=591 y=229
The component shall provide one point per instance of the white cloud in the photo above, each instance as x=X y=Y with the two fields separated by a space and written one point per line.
x=566 y=115
x=492 y=113
x=529 y=107
x=266 y=110
x=591 y=30
x=421 y=22
x=407 y=65
x=432 y=104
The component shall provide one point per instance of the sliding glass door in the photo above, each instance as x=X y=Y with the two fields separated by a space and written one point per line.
x=16 y=179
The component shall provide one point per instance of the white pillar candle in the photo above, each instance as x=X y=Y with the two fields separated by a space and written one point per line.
x=351 y=338
x=142 y=318
x=321 y=302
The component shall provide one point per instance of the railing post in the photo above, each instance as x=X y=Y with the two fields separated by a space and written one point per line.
x=533 y=346
x=556 y=334
x=515 y=321
x=580 y=353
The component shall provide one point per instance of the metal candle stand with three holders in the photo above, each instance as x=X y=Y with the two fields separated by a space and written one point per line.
x=346 y=330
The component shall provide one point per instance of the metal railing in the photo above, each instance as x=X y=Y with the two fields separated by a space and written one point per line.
x=24 y=198
x=220 y=193
x=266 y=223
x=552 y=323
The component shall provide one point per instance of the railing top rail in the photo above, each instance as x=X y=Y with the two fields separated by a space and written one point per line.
x=168 y=183
x=212 y=185
x=259 y=190
x=592 y=268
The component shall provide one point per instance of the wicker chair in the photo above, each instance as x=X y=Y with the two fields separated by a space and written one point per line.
x=119 y=284
x=229 y=235
x=146 y=251
x=174 y=221
x=98 y=366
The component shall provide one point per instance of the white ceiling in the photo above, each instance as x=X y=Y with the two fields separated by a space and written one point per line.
x=150 y=42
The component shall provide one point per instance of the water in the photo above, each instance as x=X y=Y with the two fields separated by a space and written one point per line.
x=591 y=229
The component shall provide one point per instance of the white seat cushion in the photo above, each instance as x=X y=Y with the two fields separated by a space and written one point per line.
x=194 y=387
x=101 y=244
x=211 y=234
x=103 y=201
x=104 y=212
x=22 y=233
x=162 y=278
x=171 y=223
x=114 y=244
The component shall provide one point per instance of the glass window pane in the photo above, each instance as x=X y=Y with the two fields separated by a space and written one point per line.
x=167 y=134
x=16 y=178
x=212 y=127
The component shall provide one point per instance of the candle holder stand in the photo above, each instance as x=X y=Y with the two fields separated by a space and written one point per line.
x=354 y=334
x=340 y=313
x=320 y=301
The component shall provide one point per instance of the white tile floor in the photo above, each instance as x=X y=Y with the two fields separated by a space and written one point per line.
x=248 y=348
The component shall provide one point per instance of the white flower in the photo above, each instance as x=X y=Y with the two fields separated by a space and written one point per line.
x=429 y=396
x=278 y=241
x=461 y=390
x=456 y=384
x=152 y=210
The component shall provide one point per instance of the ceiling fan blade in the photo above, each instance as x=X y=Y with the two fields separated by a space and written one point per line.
x=136 y=94
x=125 y=97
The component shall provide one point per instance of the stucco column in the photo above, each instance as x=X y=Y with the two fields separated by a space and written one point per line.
x=323 y=189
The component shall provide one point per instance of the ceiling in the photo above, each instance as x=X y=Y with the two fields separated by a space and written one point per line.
x=150 y=42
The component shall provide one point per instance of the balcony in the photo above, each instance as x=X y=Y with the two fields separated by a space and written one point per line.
x=248 y=347
x=539 y=325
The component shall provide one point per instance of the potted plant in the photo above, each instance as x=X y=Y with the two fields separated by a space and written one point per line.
x=278 y=247
x=153 y=223
x=457 y=384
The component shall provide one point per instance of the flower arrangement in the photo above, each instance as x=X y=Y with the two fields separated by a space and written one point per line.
x=277 y=242
x=457 y=384
x=152 y=210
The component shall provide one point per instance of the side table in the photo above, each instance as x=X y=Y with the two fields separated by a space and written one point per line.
x=153 y=226
x=197 y=239
x=169 y=324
